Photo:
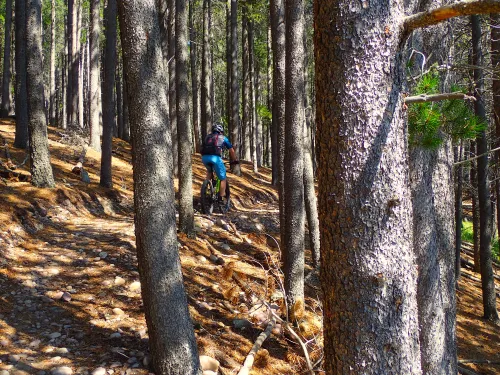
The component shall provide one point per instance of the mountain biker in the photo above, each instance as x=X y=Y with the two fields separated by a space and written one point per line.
x=211 y=152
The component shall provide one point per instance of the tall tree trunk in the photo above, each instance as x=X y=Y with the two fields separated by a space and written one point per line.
x=65 y=71
x=72 y=85
x=272 y=154
x=186 y=211
x=52 y=109
x=119 y=100
x=6 y=60
x=205 y=104
x=194 y=79
x=171 y=336
x=108 y=100
x=235 y=100
x=368 y=270
x=81 y=68
x=126 y=121
x=495 y=62
x=294 y=160
x=172 y=107
x=458 y=210
x=95 y=76
x=253 y=99
x=278 y=118
x=41 y=170
x=475 y=207
x=21 y=139
x=485 y=224
x=229 y=65
x=245 y=88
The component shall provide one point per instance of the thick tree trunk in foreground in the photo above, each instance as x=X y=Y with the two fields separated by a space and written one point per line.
x=108 y=100
x=6 y=60
x=186 y=211
x=171 y=335
x=95 y=76
x=278 y=120
x=21 y=140
x=485 y=217
x=41 y=170
x=458 y=211
x=368 y=269
x=294 y=159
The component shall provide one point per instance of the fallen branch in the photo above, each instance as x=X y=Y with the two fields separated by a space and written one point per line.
x=440 y=14
x=464 y=371
x=77 y=169
x=424 y=98
x=247 y=365
x=475 y=157
x=479 y=361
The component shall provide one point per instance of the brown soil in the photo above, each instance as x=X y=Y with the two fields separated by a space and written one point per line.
x=68 y=269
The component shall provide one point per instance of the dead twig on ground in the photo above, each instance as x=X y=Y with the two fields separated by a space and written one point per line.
x=247 y=365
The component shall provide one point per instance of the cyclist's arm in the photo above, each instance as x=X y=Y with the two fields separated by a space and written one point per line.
x=232 y=155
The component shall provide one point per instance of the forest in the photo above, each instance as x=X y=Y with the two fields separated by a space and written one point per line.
x=249 y=187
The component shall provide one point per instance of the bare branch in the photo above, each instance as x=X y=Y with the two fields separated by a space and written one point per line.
x=475 y=157
x=423 y=98
x=460 y=8
x=247 y=365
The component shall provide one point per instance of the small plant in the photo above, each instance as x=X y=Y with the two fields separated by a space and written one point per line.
x=468 y=236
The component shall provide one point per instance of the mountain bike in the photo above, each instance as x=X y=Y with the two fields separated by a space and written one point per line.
x=210 y=197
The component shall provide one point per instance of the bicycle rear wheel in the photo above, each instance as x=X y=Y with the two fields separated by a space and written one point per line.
x=207 y=193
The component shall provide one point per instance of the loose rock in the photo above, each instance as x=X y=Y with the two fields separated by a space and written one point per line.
x=209 y=364
x=118 y=311
x=63 y=370
x=135 y=286
x=119 y=280
x=99 y=371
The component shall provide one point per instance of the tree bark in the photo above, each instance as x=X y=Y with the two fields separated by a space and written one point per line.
x=245 y=88
x=254 y=133
x=6 y=60
x=458 y=211
x=65 y=74
x=172 y=106
x=235 y=100
x=21 y=138
x=95 y=76
x=294 y=162
x=41 y=170
x=52 y=108
x=108 y=100
x=186 y=211
x=194 y=79
x=205 y=103
x=278 y=119
x=81 y=67
x=119 y=100
x=368 y=269
x=171 y=335
x=495 y=62
x=485 y=224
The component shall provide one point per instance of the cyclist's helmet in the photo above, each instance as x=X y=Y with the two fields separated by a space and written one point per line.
x=217 y=127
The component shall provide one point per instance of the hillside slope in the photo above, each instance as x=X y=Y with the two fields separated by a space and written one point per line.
x=69 y=290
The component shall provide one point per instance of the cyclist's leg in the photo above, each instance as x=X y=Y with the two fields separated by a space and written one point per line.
x=208 y=163
x=220 y=171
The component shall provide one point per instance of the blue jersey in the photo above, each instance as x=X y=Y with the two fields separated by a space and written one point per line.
x=215 y=143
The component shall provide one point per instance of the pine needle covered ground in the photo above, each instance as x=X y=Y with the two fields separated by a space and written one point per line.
x=69 y=286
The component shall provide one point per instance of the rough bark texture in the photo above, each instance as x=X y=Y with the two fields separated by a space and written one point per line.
x=81 y=67
x=485 y=217
x=52 y=108
x=171 y=336
x=205 y=103
x=245 y=88
x=65 y=71
x=368 y=270
x=495 y=62
x=432 y=184
x=186 y=211
x=458 y=210
x=21 y=140
x=95 y=76
x=119 y=101
x=235 y=98
x=108 y=100
x=294 y=159
x=194 y=80
x=41 y=170
x=278 y=44
x=172 y=107
x=433 y=231
x=5 y=109
x=254 y=132
x=475 y=206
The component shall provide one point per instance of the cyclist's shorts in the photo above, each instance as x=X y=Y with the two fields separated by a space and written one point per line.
x=215 y=162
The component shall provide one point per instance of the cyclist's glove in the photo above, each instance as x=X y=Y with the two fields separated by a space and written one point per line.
x=234 y=162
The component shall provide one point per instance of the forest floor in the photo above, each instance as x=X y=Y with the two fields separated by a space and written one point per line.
x=69 y=285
